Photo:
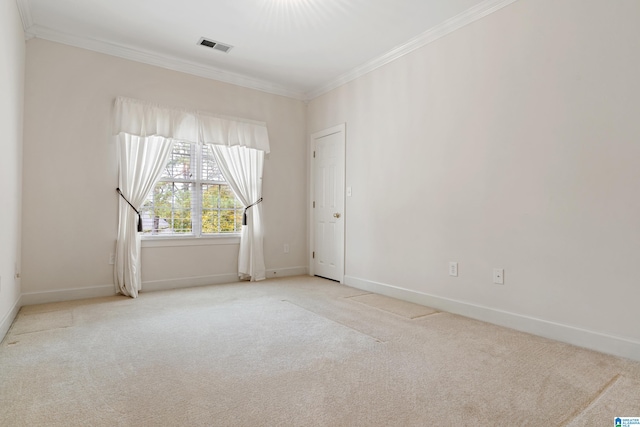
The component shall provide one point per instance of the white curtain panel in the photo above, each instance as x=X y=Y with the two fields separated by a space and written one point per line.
x=145 y=132
x=141 y=161
x=242 y=167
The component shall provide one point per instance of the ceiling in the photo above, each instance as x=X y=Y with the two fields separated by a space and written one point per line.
x=296 y=48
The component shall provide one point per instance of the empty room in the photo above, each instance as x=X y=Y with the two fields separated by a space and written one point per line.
x=320 y=213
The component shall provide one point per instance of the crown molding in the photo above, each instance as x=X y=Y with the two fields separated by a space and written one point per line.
x=470 y=15
x=24 y=8
x=163 y=61
x=154 y=58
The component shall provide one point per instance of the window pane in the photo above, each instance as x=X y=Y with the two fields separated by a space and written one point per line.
x=210 y=196
x=181 y=220
x=168 y=209
x=210 y=222
x=179 y=165
x=227 y=221
x=239 y=214
x=227 y=198
x=215 y=217
x=210 y=169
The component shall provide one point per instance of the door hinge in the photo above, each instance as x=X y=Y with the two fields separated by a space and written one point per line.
x=314 y=204
x=314 y=255
x=314 y=154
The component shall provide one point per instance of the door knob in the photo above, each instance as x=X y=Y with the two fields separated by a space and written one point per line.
x=336 y=215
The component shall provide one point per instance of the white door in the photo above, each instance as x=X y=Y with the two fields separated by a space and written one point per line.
x=327 y=258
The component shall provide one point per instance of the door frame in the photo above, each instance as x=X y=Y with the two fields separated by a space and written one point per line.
x=340 y=128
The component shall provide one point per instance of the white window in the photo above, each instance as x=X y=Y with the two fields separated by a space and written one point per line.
x=192 y=197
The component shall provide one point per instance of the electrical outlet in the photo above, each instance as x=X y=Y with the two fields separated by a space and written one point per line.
x=498 y=276
x=112 y=259
x=453 y=269
x=286 y=248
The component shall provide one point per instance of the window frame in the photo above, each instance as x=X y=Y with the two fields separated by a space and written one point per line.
x=196 y=237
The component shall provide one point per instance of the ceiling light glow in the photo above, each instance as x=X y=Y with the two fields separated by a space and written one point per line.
x=285 y=15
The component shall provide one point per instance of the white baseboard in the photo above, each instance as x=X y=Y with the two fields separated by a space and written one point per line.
x=217 y=279
x=44 y=297
x=188 y=282
x=7 y=320
x=597 y=341
x=287 y=272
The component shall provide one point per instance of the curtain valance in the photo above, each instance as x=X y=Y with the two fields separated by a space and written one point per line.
x=143 y=119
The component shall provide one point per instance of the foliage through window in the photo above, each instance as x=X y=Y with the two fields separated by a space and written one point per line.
x=192 y=197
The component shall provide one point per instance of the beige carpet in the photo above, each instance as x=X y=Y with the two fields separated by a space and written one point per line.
x=295 y=352
x=395 y=306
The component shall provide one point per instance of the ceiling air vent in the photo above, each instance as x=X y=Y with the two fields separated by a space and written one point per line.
x=214 y=45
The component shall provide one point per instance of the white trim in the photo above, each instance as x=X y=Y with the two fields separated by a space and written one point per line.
x=450 y=25
x=59 y=295
x=342 y=127
x=216 y=279
x=24 y=7
x=287 y=272
x=618 y=346
x=44 y=297
x=8 y=319
x=159 y=60
x=188 y=282
x=173 y=241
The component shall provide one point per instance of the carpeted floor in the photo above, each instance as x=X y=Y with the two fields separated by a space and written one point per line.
x=298 y=351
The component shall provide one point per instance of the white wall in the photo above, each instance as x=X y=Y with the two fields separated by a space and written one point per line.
x=513 y=142
x=12 y=58
x=70 y=172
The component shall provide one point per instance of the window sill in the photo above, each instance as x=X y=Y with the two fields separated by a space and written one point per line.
x=173 y=241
